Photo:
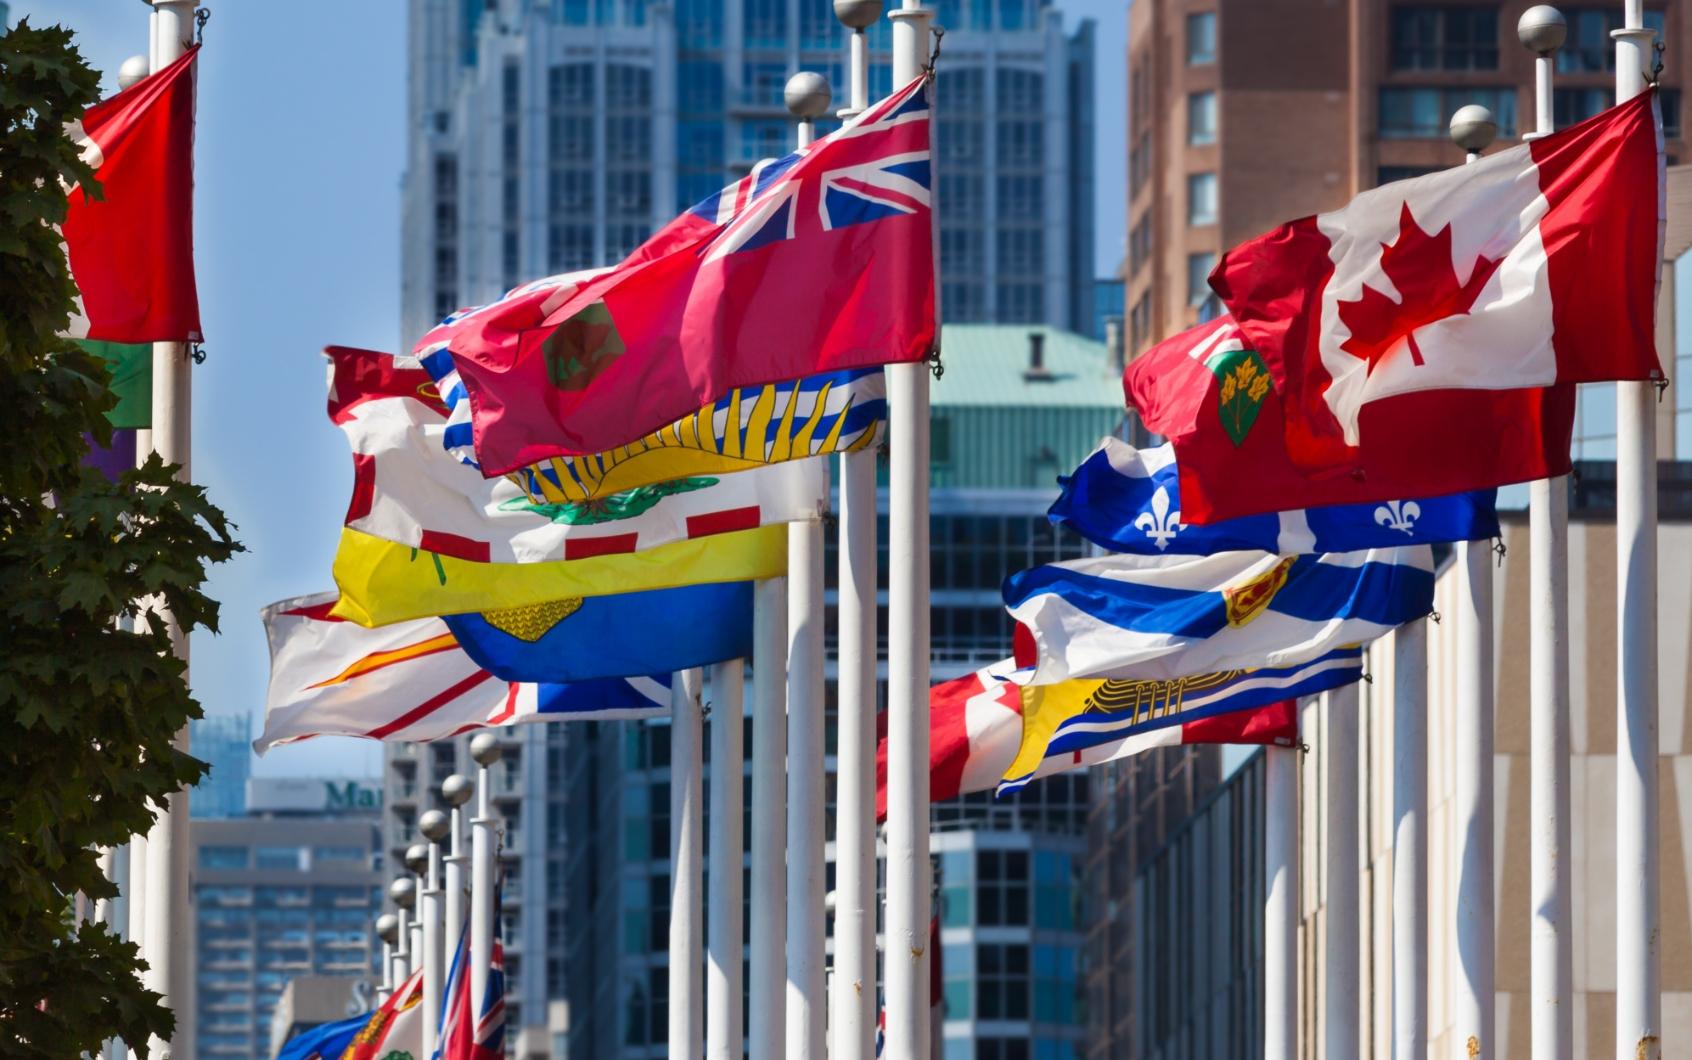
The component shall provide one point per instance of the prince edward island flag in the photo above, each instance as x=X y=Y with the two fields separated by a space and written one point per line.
x=1162 y=617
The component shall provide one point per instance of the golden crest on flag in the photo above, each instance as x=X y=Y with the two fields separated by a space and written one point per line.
x=1248 y=599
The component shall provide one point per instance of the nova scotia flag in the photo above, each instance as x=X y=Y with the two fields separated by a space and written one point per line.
x=1129 y=500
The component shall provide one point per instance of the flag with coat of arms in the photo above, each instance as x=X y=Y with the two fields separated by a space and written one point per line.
x=816 y=262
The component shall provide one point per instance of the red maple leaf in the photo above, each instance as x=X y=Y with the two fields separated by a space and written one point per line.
x=1420 y=266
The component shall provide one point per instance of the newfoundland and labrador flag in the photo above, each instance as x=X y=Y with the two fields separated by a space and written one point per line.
x=816 y=262
x=412 y=681
x=582 y=638
x=836 y=412
x=1535 y=265
x=1163 y=617
x=1129 y=500
x=976 y=728
x=131 y=250
x=1210 y=394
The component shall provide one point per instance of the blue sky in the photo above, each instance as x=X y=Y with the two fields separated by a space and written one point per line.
x=299 y=150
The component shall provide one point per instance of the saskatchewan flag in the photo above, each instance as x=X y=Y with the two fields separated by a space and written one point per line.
x=131 y=365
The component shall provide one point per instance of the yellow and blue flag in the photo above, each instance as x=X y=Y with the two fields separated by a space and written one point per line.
x=586 y=638
x=326 y=1041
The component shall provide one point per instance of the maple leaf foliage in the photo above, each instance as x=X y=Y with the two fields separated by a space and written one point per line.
x=1420 y=266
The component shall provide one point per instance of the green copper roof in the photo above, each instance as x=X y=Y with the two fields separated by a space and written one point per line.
x=987 y=364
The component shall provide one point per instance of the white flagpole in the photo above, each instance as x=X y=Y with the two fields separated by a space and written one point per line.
x=403 y=893
x=417 y=860
x=1280 y=904
x=908 y=871
x=456 y=790
x=435 y=827
x=1638 y=930
x=807 y=96
x=387 y=930
x=687 y=940
x=1410 y=841
x=1475 y=933
x=1541 y=30
x=1343 y=875
x=484 y=828
x=852 y=997
x=766 y=1012
x=166 y=945
x=723 y=924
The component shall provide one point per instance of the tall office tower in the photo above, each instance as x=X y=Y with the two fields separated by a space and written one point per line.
x=291 y=888
x=547 y=137
x=1247 y=113
x=224 y=742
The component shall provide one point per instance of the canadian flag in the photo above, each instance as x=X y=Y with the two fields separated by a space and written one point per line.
x=1535 y=265
x=975 y=728
x=132 y=249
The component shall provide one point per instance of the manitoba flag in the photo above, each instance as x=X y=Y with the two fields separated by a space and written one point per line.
x=131 y=249
x=1533 y=266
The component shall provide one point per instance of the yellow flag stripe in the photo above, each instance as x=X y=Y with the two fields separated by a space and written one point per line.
x=383 y=582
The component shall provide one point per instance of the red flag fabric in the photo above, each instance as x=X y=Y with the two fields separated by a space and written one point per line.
x=1209 y=392
x=818 y=261
x=975 y=728
x=132 y=251
x=1532 y=266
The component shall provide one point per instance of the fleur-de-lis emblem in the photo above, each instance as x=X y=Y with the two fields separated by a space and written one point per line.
x=1399 y=515
x=1160 y=524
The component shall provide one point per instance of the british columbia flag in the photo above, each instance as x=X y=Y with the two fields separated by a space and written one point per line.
x=816 y=262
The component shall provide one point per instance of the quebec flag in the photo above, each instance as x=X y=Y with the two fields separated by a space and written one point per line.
x=1163 y=617
x=1129 y=500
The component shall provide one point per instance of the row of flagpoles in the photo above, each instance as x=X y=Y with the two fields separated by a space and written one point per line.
x=791 y=1012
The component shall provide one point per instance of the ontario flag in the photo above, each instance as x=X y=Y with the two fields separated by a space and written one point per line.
x=467 y=1032
x=816 y=262
x=1533 y=266
x=131 y=248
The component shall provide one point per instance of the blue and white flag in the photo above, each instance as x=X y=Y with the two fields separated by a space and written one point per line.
x=1128 y=500
x=1163 y=617
x=581 y=639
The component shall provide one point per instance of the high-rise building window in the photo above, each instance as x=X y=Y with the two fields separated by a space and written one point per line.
x=1201 y=198
x=1444 y=38
x=1589 y=48
x=1201 y=38
x=1054 y=984
x=1001 y=982
x=1001 y=887
x=766 y=23
x=1201 y=118
x=1198 y=276
x=1424 y=112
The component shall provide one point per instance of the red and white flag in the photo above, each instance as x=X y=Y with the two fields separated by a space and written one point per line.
x=975 y=729
x=132 y=250
x=1533 y=266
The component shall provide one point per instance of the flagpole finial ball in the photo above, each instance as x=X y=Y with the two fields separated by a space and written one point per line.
x=404 y=893
x=417 y=857
x=807 y=95
x=1472 y=128
x=485 y=749
x=434 y=825
x=858 y=14
x=387 y=928
x=132 y=71
x=1542 y=29
x=457 y=789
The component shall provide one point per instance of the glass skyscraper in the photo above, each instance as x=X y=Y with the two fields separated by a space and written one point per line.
x=224 y=742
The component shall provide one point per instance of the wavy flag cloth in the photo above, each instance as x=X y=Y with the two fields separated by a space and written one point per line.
x=382 y=581
x=1163 y=617
x=408 y=489
x=395 y=1029
x=1209 y=393
x=835 y=412
x=583 y=638
x=131 y=250
x=326 y=1041
x=816 y=262
x=1536 y=264
x=1129 y=500
x=1073 y=723
x=976 y=729
x=473 y=1032
x=411 y=681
